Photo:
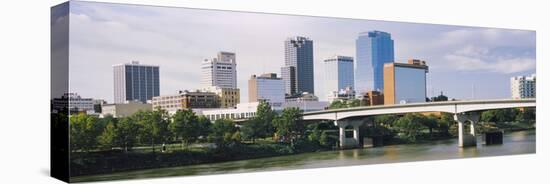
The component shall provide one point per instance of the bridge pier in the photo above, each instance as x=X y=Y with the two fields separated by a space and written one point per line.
x=346 y=142
x=466 y=140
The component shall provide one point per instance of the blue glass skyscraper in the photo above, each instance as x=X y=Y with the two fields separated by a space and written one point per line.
x=373 y=50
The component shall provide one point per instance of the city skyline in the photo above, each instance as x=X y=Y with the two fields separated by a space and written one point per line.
x=109 y=34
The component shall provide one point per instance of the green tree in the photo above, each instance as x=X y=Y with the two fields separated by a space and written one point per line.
x=429 y=121
x=354 y=103
x=315 y=134
x=252 y=129
x=222 y=134
x=499 y=115
x=153 y=126
x=126 y=133
x=161 y=120
x=288 y=125
x=184 y=126
x=204 y=126
x=488 y=116
x=84 y=130
x=265 y=116
x=409 y=126
x=444 y=123
x=386 y=119
x=337 y=104
x=325 y=140
x=107 y=138
x=260 y=125
x=145 y=131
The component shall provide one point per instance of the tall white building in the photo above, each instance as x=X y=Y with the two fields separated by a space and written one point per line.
x=220 y=71
x=268 y=88
x=338 y=73
x=523 y=86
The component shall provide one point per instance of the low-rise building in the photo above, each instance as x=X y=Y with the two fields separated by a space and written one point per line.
x=302 y=97
x=98 y=104
x=186 y=100
x=228 y=97
x=371 y=98
x=73 y=103
x=306 y=106
x=248 y=110
x=242 y=111
x=124 y=109
x=343 y=94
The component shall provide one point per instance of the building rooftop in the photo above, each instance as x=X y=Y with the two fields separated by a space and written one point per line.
x=412 y=63
x=135 y=63
x=339 y=58
x=266 y=76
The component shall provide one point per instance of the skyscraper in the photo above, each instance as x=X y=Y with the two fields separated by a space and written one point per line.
x=523 y=86
x=373 y=50
x=220 y=71
x=133 y=81
x=298 y=71
x=338 y=73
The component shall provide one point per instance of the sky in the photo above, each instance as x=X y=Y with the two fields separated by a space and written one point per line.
x=464 y=62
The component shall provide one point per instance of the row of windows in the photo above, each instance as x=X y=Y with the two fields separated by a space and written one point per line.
x=230 y=93
x=231 y=116
x=168 y=106
x=223 y=67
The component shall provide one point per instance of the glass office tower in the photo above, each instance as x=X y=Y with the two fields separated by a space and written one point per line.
x=135 y=82
x=338 y=73
x=373 y=50
x=298 y=71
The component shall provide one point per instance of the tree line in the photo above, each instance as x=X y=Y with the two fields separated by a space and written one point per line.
x=151 y=128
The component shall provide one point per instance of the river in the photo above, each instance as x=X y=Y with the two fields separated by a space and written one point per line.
x=521 y=142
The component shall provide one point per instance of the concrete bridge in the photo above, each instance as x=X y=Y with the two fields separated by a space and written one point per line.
x=463 y=111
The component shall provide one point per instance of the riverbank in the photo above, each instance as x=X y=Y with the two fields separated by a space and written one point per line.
x=94 y=163
x=117 y=161
x=518 y=142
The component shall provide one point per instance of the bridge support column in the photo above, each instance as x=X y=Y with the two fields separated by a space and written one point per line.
x=346 y=142
x=466 y=140
x=342 y=134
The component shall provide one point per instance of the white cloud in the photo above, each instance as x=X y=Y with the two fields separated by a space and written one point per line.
x=490 y=64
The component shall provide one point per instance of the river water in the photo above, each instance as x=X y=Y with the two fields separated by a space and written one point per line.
x=521 y=142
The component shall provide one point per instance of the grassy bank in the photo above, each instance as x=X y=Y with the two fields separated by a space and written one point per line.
x=116 y=161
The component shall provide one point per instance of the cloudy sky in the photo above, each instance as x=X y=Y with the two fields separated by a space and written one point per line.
x=178 y=39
